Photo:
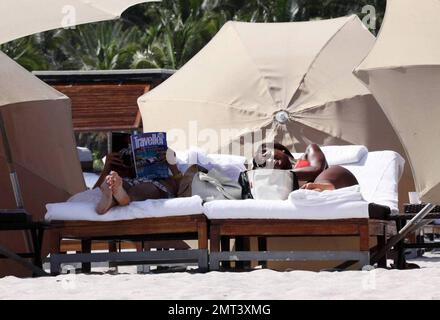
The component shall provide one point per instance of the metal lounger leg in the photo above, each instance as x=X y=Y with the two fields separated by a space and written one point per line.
x=214 y=261
x=365 y=259
x=36 y=247
x=150 y=257
x=411 y=226
x=215 y=257
x=55 y=265
x=37 y=271
x=203 y=261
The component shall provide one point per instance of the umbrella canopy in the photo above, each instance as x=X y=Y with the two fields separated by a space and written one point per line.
x=294 y=78
x=25 y=17
x=38 y=142
x=403 y=72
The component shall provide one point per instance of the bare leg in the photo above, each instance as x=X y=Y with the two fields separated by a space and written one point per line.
x=320 y=186
x=145 y=191
x=106 y=201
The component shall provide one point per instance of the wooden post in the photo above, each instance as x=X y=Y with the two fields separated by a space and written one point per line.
x=215 y=238
x=364 y=242
x=364 y=238
x=226 y=246
x=242 y=244
x=202 y=235
x=381 y=242
x=86 y=247
x=262 y=246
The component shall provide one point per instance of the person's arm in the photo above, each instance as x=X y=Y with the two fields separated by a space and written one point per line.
x=171 y=160
x=112 y=159
x=176 y=175
x=317 y=161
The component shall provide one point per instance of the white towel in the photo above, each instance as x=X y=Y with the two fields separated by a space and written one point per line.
x=338 y=155
x=304 y=197
x=229 y=165
x=82 y=207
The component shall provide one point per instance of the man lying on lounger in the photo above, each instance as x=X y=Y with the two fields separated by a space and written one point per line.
x=311 y=169
x=120 y=186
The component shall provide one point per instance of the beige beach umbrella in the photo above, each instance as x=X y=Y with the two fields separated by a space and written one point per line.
x=294 y=78
x=25 y=17
x=38 y=159
x=37 y=146
x=403 y=72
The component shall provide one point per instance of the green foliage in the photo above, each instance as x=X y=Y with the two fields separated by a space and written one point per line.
x=97 y=143
x=176 y=32
x=26 y=52
x=103 y=46
x=165 y=34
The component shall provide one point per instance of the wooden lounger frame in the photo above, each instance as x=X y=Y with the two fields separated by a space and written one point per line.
x=190 y=227
x=197 y=227
x=224 y=229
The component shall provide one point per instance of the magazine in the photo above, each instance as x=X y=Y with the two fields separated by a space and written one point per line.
x=149 y=154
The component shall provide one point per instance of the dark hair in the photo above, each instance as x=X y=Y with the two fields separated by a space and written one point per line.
x=276 y=146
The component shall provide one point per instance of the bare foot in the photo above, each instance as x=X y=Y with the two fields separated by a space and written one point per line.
x=106 y=201
x=318 y=186
x=118 y=191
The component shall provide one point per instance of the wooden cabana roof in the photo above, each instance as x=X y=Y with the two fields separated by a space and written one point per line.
x=105 y=100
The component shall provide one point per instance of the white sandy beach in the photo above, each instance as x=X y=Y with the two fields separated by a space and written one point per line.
x=260 y=284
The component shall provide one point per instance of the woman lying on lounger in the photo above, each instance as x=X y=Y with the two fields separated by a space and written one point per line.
x=120 y=186
x=311 y=169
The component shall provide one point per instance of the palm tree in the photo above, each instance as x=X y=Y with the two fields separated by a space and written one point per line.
x=165 y=34
x=179 y=29
x=325 y=9
x=101 y=46
x=26 y=52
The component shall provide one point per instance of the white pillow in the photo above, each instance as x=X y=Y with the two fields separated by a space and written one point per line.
x=84 y=154
x=229 y=165
x=338 y=155
x=90 y=179
x=378 y=174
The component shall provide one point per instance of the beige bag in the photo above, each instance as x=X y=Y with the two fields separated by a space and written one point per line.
x=271 y=184
x=212 y=185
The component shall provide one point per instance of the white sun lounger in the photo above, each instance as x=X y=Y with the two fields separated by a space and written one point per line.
x=378 y=174
x=165 y=219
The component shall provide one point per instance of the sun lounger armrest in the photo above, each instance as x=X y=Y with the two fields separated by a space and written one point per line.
x=378 y=212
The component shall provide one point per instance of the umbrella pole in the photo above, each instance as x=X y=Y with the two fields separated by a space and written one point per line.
x=12 y=174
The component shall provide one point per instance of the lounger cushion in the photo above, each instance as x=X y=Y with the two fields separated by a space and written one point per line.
x=339 y=155
x=378 y=174
x=82 y=207
x=346 y=203
x=275 y=209
x=302 y=204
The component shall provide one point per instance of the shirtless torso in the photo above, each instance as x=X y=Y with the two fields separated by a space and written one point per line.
x=319 y=176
